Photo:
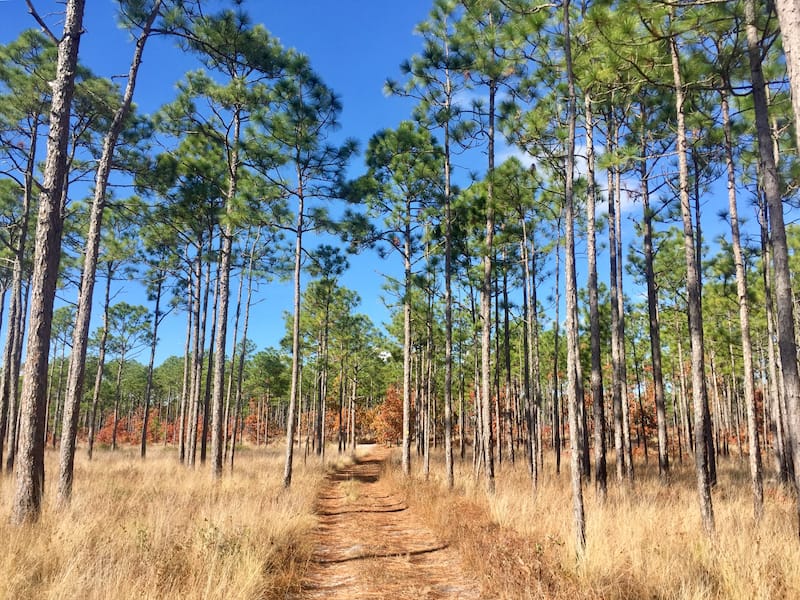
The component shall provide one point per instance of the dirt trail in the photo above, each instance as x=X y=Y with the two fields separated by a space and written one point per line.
x=370 y=545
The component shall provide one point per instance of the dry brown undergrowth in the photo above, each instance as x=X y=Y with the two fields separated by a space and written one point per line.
x=644 y=542
x=156 y=529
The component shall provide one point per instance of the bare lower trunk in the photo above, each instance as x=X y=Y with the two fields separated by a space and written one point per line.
x=26 y=505
x=741 y=276
x=616 y=359
x=486 y=307
x=573 y=371
x=295 y=380
x=406 y=456
x=789 y=16
x=151 y=365
x=699 y=392
x=598 y=408
x=652 y=313
x=80 y=338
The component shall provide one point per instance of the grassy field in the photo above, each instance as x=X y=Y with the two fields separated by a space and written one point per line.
x=156 y=529
x=646 y=541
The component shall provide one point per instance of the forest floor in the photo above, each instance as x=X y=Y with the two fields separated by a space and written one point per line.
x=370 y=544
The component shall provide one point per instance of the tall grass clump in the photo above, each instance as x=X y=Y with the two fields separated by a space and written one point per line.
x=645 y=541
x=156 y=529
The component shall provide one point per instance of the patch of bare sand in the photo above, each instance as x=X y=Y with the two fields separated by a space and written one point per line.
x=370 y=545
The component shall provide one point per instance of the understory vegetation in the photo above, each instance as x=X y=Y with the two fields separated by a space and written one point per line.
x=645 y=541
x=154 y=529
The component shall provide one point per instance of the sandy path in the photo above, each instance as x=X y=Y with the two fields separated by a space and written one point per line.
x=370 y=545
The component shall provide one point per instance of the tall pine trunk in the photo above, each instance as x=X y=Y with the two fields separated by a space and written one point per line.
x=223 y=294
x=26 y=505
x=80 y=337
x=789 y=15
x=598 y=408
x=652 y=308
x=294 y=390
x=694 y=302
x=573 y=371
x=741 y=276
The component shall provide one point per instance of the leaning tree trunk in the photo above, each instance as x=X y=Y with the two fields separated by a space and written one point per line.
x=80 y=337
x=26 y=505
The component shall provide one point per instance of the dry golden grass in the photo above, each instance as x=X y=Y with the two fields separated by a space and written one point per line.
x=646 y=541
x=156 y=529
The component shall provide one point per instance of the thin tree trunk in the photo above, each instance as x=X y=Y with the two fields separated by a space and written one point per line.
x=623 y=364
x=756 y=477
x=117 y=397
x=295 y=377
x=16 y=315
x=26 y=504
x=406 y=451
x=486 y=303
x=448 y=305
x=652 y=312
x=598 y=408
x=572 y=302
x=694 y=301
x=101 y=361
x=220 y=342
x=80 y=338
x=185 y=382
x=212 y=354
x=616 y=359
x=556 y=408
x=151 y=363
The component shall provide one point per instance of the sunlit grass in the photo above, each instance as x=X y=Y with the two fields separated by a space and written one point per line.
x=645 y=541
x=155 y=529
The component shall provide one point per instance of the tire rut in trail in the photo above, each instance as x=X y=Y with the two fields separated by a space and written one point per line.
x=370 y=545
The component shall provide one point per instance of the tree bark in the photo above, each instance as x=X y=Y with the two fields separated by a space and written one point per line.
x=756 y=478
x=652 y=313
x=80 y=337
x=572 y=303
x=699 y=391
x=295 y=377
x=789 y=19
x=148 y=391
x=789 y=16
x=220 y=342
x=26 y=505
x=598 y=408
x=616 y=359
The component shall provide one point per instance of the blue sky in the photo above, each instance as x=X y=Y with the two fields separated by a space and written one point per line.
x=353 y=44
